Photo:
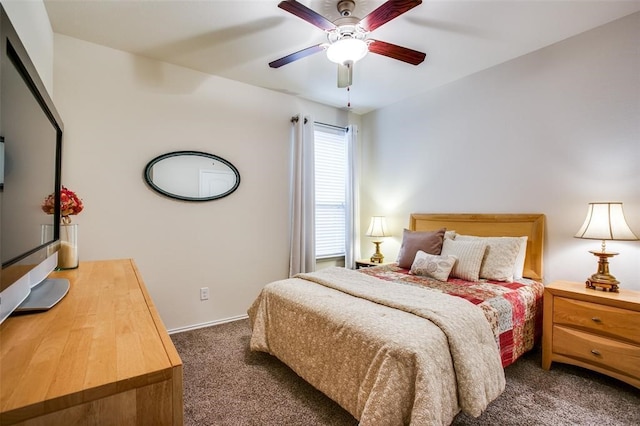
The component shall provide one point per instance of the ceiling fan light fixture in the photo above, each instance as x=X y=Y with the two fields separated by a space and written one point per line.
x=347 y=49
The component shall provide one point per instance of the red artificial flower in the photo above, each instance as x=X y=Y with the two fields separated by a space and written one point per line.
x=70 y=204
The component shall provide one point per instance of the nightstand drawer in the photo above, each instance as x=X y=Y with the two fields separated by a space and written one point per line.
x=606 y=353
x=601 y=319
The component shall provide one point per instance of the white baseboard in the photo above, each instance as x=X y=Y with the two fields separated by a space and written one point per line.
x=207 y=324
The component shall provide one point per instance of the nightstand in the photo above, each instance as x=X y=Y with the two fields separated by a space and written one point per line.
x=366 y=263
x=592 y=329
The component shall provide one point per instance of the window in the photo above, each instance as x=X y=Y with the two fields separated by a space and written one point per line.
x=330 y=190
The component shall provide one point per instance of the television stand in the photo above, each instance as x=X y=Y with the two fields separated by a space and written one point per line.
x=45 y=295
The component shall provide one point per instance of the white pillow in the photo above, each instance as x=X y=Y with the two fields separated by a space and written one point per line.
x=499 y=261
x=450 y=234
x=518 y=269
x=469 y=254
x=430 y=265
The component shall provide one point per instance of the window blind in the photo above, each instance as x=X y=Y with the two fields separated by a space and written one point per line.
x=330 y=190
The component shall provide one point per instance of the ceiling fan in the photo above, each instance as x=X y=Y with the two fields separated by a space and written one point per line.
x=347 y=36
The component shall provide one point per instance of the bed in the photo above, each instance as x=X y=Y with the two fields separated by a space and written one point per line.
x=393 y=347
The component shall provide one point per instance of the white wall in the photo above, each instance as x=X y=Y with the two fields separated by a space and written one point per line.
x=547 y=132
x=120 y=111
x=31 y=22
x=544 y=133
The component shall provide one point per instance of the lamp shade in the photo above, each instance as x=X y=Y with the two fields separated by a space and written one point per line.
x=605 y=221
x=347 y=49
x=378 y=227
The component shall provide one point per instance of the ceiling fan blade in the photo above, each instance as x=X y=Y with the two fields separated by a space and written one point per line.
x=400 y=53
x=309 y=15
x=386 y=12
x=297 y=55
x=345 y=74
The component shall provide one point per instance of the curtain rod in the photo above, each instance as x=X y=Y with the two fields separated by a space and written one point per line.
x=295 y=119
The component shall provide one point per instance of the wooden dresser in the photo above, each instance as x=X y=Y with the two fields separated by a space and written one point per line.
x=101 y=356
x=592 y=329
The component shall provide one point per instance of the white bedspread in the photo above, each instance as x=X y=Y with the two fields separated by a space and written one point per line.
x=413 y=356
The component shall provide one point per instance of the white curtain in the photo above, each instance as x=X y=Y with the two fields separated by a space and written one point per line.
x=353 y=205
x=303 y=248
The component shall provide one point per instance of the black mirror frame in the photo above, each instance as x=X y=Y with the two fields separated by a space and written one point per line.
x=150 y=164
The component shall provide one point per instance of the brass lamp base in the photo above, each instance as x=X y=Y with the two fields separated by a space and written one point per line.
x=603 y=279
x=377 y=256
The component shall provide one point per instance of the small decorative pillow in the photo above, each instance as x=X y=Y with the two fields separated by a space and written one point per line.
x=469 y=255
x=500 y=259
x=429 y=265
x=412 y=241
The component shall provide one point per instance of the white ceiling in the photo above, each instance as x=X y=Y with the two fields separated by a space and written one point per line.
x=237 y=39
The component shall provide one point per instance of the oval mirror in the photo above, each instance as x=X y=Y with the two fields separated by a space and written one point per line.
x=192 y=176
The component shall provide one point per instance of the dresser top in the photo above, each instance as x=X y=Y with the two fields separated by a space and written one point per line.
x=103 y=337
x=627 y=299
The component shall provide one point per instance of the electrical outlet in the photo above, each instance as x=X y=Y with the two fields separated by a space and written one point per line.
x=204 y=293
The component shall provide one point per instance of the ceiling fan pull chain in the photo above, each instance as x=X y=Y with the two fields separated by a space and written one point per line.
x=348 y=96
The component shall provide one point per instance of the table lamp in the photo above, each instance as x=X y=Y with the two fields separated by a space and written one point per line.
x=605 y=221
x=377 y=229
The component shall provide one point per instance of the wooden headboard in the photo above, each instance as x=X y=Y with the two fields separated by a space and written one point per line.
x=492 y=225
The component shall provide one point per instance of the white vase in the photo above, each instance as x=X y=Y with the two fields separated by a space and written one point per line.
x=68 y=251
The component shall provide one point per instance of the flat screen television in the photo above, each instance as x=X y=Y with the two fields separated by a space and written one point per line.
x=30 y=150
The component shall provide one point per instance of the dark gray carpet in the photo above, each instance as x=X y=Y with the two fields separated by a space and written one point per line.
x=225 y=384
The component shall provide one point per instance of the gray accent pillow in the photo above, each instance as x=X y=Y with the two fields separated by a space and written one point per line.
x=412 y=241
